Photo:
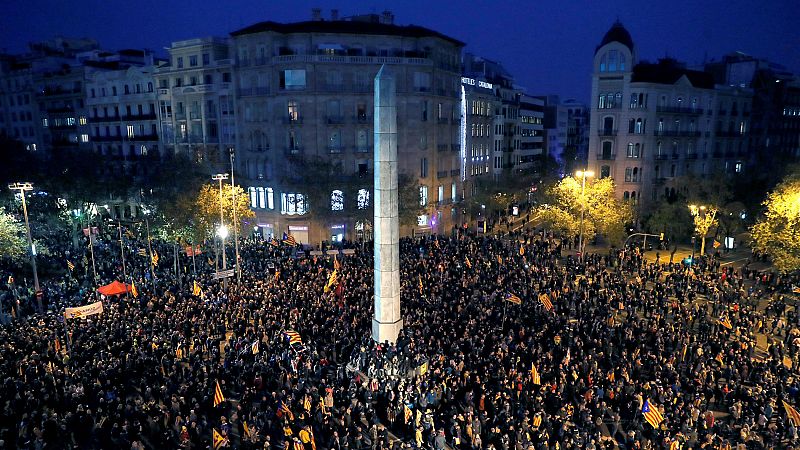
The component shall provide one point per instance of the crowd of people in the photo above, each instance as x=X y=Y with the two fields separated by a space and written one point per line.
x=277 y=361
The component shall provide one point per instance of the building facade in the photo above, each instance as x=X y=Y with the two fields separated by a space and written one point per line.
x=652 y=123
x=304 y=93
x=196 y=101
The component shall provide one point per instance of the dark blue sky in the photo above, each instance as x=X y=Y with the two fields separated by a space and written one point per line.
x=546 y=44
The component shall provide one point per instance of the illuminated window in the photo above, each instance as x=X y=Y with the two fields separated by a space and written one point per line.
x=423 y=195
x=261 y=197
x=363 y=199
x=337 y=200
x=738 y=167
x=82 y=120
x=130 y=131
x=253 y=196
x=84 y=138
x=292 y=204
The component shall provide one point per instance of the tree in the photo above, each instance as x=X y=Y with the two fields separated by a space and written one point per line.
x=672 y=219
x=208 y=207
x=777 y=233
x=13 y=245
x=704 y=219
x=603 y=214
x=409 y=205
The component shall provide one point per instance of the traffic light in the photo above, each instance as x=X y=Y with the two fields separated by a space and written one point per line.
x=661 y=236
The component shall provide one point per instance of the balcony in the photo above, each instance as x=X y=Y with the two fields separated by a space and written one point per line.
x=292 y=120
x=341 y=59
x=661 y=157
x=659 y=180
x=441 y=174
x=361 y=118
x=335 y=149
x=195 y=116
x=675 y=155
x=443 y=120
x=334 y=120
x=691 y=156
x=106 y=138
x=293 y=151
x=144 y=116
x=455 y=147
x=144 y=137
x=441 y=147
x=729 y=134
x=716 y=154
x=455 y=172
x=676 y=133
x=104 y=119
x=679 y=110
x=606 y=156
x=606 y=132
x=332 y=87
x=363 y=148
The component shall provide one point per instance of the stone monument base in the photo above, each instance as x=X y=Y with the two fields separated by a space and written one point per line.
x=382 y=332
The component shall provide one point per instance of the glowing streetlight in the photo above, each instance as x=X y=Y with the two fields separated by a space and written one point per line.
x=22 y=187
x=222 y=232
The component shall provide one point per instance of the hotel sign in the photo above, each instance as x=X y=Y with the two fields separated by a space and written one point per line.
x=474 y=82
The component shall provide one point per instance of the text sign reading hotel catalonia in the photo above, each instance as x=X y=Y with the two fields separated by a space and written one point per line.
x=473 y=82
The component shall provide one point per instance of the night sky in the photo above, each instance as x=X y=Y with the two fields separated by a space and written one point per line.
x=546 y=44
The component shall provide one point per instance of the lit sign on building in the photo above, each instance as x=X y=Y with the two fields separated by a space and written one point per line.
x=473 y=82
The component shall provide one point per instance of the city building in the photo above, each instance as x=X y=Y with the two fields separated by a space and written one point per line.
x=653 y=123
x=195 y=95
x=577 y=145
x=304 y=93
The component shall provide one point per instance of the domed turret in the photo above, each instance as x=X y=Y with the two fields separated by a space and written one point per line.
x=617 y=33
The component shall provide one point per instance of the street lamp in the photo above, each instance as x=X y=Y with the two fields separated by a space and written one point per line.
x=703 y=219
x=235 y=233
x=582 y=174
x=22 y=187
x=222 y=231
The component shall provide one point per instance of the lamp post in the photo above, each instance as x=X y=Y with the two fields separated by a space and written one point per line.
x=235 y=232
x=582 y=174
x=22 y=187
x=222 y=231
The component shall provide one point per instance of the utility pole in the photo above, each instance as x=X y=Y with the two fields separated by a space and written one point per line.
x=222 y=232
x=235 y=223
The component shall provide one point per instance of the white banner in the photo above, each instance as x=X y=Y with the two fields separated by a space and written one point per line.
x=83 y=311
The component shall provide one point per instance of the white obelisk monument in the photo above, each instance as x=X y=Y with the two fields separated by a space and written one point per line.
x=387 y=321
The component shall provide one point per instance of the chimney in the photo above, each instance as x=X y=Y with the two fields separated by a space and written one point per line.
x=334 y=14
x=387 y=17
x=316 y=14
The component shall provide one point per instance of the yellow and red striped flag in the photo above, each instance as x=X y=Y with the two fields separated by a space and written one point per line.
x=725 y=322
x=218 y=397
x=513 y=299
x=294 y=337
x=545 y=299
x=216 y=439
x=791 y=413
x=651 y=414
x=535 y=377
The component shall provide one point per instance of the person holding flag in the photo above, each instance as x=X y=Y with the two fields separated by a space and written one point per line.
x=652 y=415
x=218 y=397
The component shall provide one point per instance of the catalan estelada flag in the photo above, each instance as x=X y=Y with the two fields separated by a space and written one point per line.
x=521 y=250
x=134 y=291
x=218 y=397
x=336 y=264
x=216 y=439
x=513 y=299
x=537 y=421
x=468 y=262
x=294 y=337
x=535 y=377
x=791 y=413
x=285 y=410
x=155 y=258
x=70 y=265
x=717 y=244
x=254 y=348
x=795 y=289
x=545 y=300
x=289 y=239
x=196 y=291
x=331 y=281
x=274 y=242
x=246 y=428
x=652 y=415
x=420 y=284
x=725 y=322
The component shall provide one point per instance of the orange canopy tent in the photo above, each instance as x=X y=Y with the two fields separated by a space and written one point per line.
x=114 y=288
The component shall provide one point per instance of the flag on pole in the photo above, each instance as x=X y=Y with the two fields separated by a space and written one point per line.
x=791 y=413
x=521 y=251
x=795 y=289
x=196 y=291
x=535 y=377
x=652 y=415
x=274 y=242
x=513 y=299
x=155 y=258
x=719 y=359
x=331 y=281
x=70 y=265
x=218 y=397
x=134 y=291
x=336 y=264
x=285 y=409
x=247 y=432
x=294 y=337
x=545 y=300
x=725 y=322
x=254 y=348
x=216 y=439
x=467 y=262
x=420 y=284
x=717 y=244
x=289 y=239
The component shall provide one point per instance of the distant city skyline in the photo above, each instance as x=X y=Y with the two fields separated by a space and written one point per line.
x=547 y=46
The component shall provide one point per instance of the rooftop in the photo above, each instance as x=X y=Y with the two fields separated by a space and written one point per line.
x=617 y=33
x=669 y=71
x=344 y=27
